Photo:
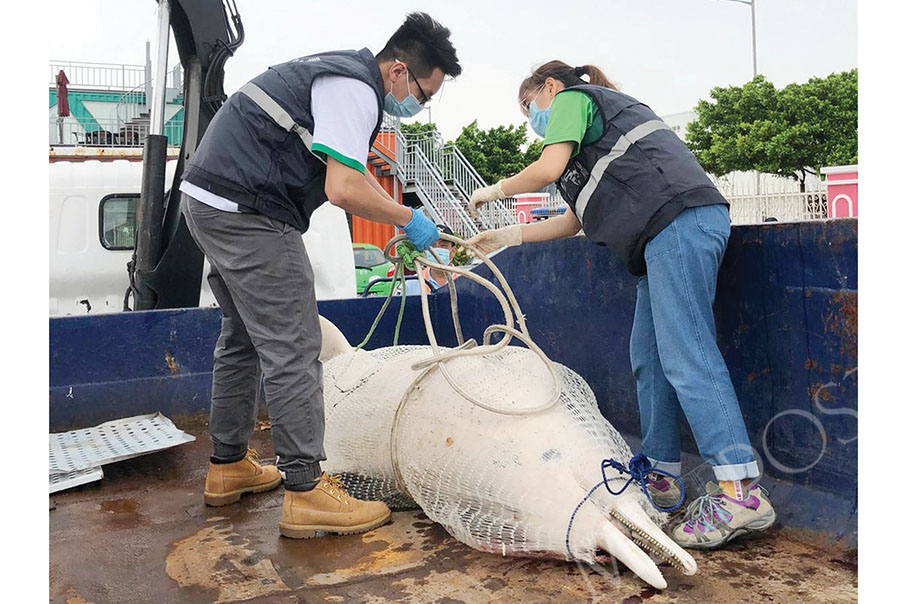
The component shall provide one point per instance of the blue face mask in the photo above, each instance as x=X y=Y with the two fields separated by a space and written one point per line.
x=443 y=255
x=408 y=107
x=538 y=119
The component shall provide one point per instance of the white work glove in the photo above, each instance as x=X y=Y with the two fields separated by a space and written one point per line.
x=482 y=196
x=491 y=241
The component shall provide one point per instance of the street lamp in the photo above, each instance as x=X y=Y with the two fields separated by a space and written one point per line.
x=752 y=4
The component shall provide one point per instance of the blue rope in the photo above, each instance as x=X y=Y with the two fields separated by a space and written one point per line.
x=638 y=468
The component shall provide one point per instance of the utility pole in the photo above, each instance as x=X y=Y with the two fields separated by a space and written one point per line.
x=752 y=4
x=753 y=19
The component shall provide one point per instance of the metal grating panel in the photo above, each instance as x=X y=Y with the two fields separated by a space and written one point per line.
x=67 y=480
x=113 y=441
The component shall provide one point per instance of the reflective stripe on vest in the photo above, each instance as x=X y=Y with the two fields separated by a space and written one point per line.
x=279 y=115
x=620 y=147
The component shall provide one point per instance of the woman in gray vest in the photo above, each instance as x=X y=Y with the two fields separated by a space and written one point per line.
x=294 y=137
x=631 y=184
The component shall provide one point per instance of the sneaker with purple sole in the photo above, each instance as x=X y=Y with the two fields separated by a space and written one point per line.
x=714 y=519
x=665 y=492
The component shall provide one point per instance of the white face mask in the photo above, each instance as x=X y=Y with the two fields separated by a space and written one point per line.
x=408 y=107
x=443 y=254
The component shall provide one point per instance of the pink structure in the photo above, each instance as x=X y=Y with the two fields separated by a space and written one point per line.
x=842 y=191
x=527 y=202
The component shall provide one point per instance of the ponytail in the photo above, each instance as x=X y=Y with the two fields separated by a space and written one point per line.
x=568 y=76
x=596 y=76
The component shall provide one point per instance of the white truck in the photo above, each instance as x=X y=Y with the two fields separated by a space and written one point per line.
x=92 y=235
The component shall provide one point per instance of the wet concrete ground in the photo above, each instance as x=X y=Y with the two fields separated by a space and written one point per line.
x=144 y=535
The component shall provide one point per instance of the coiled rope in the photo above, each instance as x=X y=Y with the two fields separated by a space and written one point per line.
x=408 y=257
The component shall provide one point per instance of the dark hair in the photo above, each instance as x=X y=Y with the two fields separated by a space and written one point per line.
x=423 y=44
x=566 y=75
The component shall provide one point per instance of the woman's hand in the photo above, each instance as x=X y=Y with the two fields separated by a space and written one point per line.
x=482 y=196
x=534 y=177
x=492 y=241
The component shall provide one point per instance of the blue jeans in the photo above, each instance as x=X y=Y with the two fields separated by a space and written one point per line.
x=674 y=353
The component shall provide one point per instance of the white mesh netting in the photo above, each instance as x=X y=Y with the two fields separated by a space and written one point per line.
x=501 y=483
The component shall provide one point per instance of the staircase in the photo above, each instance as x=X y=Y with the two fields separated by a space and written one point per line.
x=435 y=175
x=136 y=129
x=133 y=114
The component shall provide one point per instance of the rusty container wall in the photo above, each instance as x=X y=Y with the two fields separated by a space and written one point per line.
x=114 y=365
x=786 y=317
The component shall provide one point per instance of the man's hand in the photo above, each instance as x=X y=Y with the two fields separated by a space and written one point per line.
x=482 y=196
x=421 y=231
x=491 y=241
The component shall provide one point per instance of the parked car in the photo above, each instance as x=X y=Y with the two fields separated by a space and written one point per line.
x=370 y=265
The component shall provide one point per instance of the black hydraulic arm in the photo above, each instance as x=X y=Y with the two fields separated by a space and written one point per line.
x=166 y=267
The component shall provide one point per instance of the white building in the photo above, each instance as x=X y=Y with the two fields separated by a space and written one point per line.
x=679 y=122
x=109 y=104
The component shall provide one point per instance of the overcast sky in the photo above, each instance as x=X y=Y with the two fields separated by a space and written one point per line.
x=666 y=53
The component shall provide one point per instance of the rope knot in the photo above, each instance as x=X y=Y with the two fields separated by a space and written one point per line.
x=407 y=254
x=639 y=468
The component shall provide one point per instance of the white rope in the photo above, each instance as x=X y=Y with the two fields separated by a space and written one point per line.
x=509 y=306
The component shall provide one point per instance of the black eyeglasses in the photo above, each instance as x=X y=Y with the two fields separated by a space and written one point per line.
x=425 y=98
x=524 y=104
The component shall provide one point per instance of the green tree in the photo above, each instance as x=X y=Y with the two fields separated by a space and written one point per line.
x=497 y=153
x=419 y=133
x=417 y=128
x=533 y=151
x=791 y=132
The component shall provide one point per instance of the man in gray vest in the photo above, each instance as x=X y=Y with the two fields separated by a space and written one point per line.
x=294 y=137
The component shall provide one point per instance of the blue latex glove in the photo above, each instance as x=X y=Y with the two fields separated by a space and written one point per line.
x=421 y=231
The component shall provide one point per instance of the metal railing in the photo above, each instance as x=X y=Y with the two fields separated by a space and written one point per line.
x=417 y=170
x=461 y=175
x=780 y=207
x=444 y=179
x=754 y=184
x=98 y=76
x=109 y=132
x=133 y=103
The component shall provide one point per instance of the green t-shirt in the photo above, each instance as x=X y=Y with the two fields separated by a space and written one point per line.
x=574 y=118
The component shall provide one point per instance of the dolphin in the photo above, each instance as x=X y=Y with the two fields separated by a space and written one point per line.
x=501 y=481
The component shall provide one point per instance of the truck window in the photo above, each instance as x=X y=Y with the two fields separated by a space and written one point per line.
x=116 y=218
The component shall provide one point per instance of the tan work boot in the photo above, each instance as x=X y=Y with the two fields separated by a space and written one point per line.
x=226 y=482
x=328 y=507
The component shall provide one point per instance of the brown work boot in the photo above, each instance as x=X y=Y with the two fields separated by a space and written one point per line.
x=328 y=507
x=226 y=482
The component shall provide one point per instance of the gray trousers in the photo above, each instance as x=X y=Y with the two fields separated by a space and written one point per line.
x=263 y=282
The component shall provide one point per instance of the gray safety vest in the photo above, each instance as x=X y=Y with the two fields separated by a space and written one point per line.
x=257 y=148
x=630 y=183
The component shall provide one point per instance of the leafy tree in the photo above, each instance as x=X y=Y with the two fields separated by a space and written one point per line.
x=497 y=153
x=790 y=132
x=533 y=151
x=417 y=128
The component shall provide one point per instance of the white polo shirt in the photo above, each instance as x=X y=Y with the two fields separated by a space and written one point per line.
x=344 y=113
